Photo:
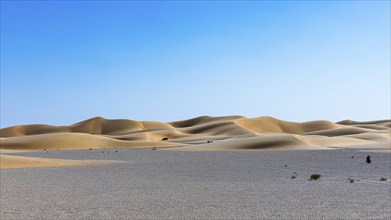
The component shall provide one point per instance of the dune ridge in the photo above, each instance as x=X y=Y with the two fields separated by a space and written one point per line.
x=201 y=133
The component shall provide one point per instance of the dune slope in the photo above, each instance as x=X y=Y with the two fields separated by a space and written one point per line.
x=13 y=162
x=201 y=133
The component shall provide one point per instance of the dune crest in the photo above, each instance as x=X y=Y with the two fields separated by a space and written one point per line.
x=201 y=133
x=273 y=125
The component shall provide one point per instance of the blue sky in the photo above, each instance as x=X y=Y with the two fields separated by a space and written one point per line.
x=66 y=61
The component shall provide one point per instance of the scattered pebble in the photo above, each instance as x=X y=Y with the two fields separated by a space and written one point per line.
x=383 y=179
x=315 y=176
x=368 y=159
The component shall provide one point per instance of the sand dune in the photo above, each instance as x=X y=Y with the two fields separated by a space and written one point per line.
x=23 y=130
x=201 y=133
x=339 y=131
x=272 y=125
x=12 y=162
x=273 y=142
x=350 y=122
x=72 y=141
x=202 y=120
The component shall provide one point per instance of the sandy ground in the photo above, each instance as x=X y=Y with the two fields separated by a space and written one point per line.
x=16 y=162
x=206 y=167
x=157 y=184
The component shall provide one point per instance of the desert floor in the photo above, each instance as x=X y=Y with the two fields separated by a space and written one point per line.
x=160 y=184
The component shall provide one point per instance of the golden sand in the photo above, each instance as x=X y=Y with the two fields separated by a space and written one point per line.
x=201 y=133
x=12 y=162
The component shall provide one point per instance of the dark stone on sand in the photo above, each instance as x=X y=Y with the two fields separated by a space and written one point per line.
x=369 y=159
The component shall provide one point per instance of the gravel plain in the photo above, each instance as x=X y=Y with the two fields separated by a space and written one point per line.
x=156 y=184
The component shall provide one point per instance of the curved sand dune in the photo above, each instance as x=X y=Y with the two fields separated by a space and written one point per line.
x=72 y=141
x=339 y=131
x=273 y=125
x=12 y=162
x=202 y=120
x=350 y=122
x=274 y=142
x=222 y=133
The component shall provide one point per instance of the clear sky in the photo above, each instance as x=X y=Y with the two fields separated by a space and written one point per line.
x=66 y=61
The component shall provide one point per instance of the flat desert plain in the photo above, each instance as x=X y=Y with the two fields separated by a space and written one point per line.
x=203 y=168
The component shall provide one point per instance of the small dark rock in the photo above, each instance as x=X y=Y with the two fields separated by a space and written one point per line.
x=369 y=159
x=165 y=139
x=383 y=179
x=315 y=176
